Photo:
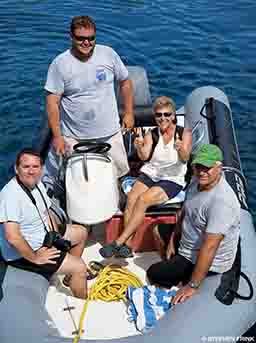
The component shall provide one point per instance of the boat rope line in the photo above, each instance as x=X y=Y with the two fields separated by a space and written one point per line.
x=111 y=285
x=208 y=102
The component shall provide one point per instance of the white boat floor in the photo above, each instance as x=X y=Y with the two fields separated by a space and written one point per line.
x=102 y=320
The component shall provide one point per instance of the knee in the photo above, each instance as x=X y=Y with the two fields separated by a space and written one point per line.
x=151 y=273
x=142 y=201
x=131 y=199
x=154 y=273
x=80 y=267
x=81 y=231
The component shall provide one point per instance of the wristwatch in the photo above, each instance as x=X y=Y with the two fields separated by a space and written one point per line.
x=194 y=284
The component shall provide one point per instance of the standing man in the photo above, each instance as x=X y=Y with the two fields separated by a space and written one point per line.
x=209 y=228
x=81 y=102
x=24 y=223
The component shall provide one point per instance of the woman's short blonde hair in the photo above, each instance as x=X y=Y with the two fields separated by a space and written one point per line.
x=163 y=101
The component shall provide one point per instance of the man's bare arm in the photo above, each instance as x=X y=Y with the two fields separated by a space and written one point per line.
x=14 y=237
x=204 y=261
x=53 y=111
x=206 y=255
x=126 y=91
x=175 y=235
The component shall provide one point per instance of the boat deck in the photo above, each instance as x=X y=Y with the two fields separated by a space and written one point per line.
x=98 y=323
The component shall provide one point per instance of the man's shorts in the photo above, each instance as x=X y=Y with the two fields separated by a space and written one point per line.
x=117 y=153
x=168 y=273
x=47 y=270
x=169 y=187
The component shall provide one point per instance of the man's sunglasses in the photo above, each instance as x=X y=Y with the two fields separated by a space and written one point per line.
x=165 y=114
x=83 y=38
x=201 y=168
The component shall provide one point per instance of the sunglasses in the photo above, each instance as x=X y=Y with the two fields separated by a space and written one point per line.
x=83 y=38
x=201 y=168
x=165 y=114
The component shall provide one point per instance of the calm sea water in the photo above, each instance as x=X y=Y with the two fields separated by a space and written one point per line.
x=182 y=45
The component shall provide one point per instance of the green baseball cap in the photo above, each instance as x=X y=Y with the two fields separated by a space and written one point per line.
x=207 y=155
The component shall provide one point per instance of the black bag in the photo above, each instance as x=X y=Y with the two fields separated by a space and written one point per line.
x=229 y=284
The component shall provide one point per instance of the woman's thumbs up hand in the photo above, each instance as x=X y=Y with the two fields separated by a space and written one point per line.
x=139 y=140
x=178 y=142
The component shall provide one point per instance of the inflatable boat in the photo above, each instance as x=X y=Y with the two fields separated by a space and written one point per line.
x=33 y=310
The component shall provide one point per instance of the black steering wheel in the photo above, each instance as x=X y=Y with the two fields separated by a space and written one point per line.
x=92 y=146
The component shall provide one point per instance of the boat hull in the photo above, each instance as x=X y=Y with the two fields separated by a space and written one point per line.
x=22 y=312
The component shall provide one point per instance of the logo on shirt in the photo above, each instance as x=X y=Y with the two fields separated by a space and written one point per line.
x=101 y=75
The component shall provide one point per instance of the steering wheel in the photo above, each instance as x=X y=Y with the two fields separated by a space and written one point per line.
x=92 y=146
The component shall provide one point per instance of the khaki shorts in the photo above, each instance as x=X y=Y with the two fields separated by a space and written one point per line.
x=118 y=154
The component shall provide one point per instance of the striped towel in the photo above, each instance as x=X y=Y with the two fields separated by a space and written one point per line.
x=148 y=304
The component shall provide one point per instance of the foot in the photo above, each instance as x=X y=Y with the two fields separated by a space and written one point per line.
x=90 y=274
x=66 y=280
x=109 y=250
x=113 y=249
x=124 y=251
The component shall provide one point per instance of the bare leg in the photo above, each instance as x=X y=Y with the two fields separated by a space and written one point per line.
x=159 y=242
x=75 y=266
x=78 y=235
x=152 y=196
x=138 y=189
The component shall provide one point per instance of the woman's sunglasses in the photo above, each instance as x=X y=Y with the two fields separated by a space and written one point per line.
x=165 y=114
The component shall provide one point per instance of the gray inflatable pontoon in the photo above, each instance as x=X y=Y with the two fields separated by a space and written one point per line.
x=24 y=316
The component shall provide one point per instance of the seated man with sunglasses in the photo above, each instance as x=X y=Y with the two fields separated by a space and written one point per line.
x=207 y=230
x=165 y=150
x=25 y=221
x=81 y=102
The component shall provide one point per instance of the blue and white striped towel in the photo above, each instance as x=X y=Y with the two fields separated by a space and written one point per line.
x=148 y=304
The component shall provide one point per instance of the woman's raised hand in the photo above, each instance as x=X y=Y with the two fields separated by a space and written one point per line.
x=139 y=140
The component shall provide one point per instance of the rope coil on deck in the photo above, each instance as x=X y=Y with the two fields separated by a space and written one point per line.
x=111 y=285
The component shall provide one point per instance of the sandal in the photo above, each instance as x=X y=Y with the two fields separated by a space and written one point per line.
x=96 y=266
x=66 y=280
x=109 y=250
x=91 y=274
x=124 y=251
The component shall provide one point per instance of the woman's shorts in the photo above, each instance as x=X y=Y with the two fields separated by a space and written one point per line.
x=169 y=187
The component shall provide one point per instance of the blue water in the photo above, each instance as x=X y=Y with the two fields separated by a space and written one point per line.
x=182 y=45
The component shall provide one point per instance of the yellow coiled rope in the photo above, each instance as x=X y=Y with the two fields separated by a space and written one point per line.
x=111 y=285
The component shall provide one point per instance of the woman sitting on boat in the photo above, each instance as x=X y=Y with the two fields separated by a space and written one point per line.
x=165 y=150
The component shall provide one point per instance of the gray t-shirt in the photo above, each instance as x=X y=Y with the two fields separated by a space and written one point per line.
x=88 y=105
x=214 y=211
x=16 y=206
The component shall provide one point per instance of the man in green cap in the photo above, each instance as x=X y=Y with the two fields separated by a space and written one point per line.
x=208 y=228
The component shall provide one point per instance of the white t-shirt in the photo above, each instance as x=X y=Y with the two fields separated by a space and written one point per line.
x=16 y=206
x=88 y=106
x=215 y=211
